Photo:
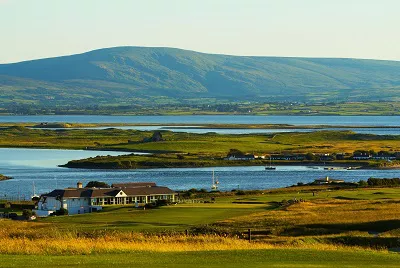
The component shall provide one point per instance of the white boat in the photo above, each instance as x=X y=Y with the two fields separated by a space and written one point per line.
x=215 y=182
x=270 y=167
x=34 y=195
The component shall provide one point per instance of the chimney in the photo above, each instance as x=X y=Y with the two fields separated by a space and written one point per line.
x=79 y=185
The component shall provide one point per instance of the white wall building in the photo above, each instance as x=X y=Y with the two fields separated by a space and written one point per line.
x=84 y=200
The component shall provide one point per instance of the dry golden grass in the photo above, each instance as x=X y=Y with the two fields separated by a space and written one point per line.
x=323 y=212
x=41 y=239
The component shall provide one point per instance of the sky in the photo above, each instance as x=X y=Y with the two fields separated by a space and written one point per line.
x=33 y=29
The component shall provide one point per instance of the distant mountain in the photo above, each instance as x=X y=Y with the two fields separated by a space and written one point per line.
x=127 y=75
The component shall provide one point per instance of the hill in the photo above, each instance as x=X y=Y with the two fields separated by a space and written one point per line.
x=140 y=75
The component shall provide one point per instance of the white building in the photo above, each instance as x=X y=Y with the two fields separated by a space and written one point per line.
x=85 y=200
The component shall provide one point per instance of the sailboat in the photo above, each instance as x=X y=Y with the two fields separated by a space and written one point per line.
x=34 y=195
x=270 y=167
x=215 y=182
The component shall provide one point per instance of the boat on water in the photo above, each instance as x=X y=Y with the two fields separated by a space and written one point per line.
x=270 y=167
x=215 y=182
x=34 y=195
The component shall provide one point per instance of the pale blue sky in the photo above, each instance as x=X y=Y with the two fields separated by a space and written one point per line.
x=32 y=29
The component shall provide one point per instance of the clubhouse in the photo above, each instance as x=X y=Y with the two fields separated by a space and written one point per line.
x=81 y=200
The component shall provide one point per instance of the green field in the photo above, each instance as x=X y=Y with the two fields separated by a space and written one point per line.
x=208 y=259
x=177 y=218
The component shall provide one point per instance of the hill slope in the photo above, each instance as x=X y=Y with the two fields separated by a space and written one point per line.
x=127 y=75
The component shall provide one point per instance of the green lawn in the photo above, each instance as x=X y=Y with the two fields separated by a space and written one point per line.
x=208 y=259
x=179 y=217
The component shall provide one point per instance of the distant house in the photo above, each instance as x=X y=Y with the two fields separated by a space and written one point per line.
x=362 y=156
x=327 y=180
x=385 y=156
x=240 y=157
x=293 y=157
x=85 y=200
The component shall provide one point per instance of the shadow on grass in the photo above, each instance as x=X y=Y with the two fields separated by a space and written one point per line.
x=337 y=228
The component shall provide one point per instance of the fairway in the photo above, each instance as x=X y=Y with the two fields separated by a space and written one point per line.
x=177 y=217
x=208 y=259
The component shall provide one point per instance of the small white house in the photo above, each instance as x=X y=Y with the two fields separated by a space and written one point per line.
x=85 y=200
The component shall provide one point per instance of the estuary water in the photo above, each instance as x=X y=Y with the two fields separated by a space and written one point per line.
x=213 y=119
x=28 y=166
x=391 y=122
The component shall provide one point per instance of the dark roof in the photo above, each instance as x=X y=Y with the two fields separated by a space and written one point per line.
x=73 y=192
x=133 y=184
x=109 y=192
x=148 y=190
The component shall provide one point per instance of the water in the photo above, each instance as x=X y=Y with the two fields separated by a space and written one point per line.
x=376 y=131
x=214 y=119
x=33 y=165
x=389 y=121
x=40 y=166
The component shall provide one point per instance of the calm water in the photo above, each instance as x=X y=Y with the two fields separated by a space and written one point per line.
x=214 y=119
x=40 y=166
x=377 y=131
x=390 y=121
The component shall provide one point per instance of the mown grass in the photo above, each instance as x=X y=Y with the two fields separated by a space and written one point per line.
x=230 y=258
x=178 y=218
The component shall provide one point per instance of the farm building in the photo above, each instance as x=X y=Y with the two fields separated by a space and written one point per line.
x=81 y=200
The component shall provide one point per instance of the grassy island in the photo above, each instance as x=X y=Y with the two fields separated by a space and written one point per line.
x=178 y=149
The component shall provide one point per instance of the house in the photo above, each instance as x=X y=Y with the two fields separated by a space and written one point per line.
x=81 y=200
x=240 y=157
x=362 y=156
x=327 y=180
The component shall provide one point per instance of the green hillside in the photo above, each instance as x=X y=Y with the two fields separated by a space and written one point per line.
x=129 y=75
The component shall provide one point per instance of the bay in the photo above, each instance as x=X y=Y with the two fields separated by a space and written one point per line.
x=212 y=119
x=40 y=167
x=372 y=121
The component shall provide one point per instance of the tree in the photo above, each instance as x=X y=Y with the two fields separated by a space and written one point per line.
x=97 y=184
x=235 y=152
x=310 y=156
x=362 y=183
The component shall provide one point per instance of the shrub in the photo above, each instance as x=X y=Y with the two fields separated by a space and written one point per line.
x=27 y=213
x=160 y=203
x=240 y=192
x=7 y=205
x=383 y=182
x=362 y=183
x=97 y=184
x=61 y=212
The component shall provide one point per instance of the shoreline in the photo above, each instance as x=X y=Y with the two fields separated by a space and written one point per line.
x=331 y=166
x=66 y=125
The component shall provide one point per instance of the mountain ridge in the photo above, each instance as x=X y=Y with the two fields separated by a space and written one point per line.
x=158 y=74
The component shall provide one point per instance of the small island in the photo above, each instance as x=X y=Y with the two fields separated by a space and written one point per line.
x=4 y=178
